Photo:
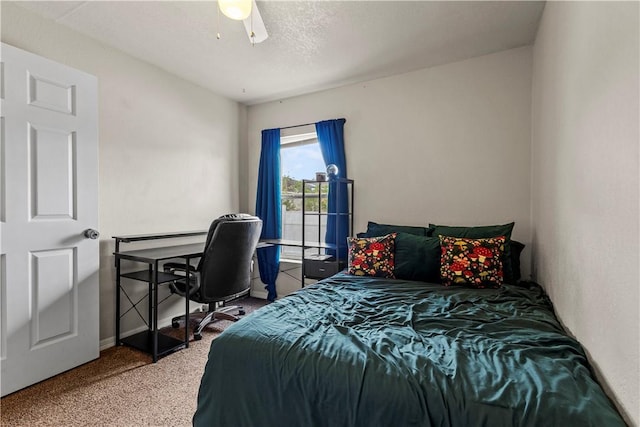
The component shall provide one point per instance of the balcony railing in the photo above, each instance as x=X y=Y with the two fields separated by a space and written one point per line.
x=292 y=225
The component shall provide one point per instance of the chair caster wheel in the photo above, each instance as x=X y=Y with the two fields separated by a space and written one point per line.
x=175 y=325
x=241 y=312
x=197 y=337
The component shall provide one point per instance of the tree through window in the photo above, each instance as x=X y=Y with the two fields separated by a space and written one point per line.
x=300 y=158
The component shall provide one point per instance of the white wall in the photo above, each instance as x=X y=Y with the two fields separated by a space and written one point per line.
x=168 y=148
x=448 y=144
x=585 y=182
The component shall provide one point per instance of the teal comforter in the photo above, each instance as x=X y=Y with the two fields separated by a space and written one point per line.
x=353 y=351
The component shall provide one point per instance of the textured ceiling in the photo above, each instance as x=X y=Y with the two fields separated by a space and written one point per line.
x=312 y=45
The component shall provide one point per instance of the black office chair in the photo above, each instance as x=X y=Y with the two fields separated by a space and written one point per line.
x=223 y=274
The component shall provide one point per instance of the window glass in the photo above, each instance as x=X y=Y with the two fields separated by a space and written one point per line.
x=300 y=158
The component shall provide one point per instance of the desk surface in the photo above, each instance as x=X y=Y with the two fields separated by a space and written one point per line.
x=152 y=255
x=296 y=243
x=156 y=236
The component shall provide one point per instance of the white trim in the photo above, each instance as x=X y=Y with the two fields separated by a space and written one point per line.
x=259 y=294
x=107 y=343
x=299 y=139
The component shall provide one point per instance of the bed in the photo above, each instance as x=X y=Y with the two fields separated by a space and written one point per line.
x=365 y=351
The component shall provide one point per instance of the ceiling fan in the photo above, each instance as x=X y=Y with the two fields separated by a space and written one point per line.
x=247 y=12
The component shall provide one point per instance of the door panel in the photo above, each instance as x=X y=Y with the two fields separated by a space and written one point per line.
x=53 y=296
x=3 y=310
x=2 y=177
x=50 y=175
x=52 y=172
x=54 y=96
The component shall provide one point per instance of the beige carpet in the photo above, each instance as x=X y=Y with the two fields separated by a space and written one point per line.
x=121 y=388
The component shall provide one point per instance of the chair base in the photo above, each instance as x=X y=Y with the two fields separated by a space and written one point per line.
x=221 y=313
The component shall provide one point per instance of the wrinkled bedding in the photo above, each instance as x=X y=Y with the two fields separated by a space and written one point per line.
x=354 y=351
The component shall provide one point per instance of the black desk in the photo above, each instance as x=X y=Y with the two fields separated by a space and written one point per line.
x=156 y=236
x=296 y=244
x=151 y=341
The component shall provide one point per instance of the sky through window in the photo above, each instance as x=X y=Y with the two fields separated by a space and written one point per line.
x=301 y=162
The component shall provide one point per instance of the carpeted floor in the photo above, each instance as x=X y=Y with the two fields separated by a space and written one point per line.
x=121 y=388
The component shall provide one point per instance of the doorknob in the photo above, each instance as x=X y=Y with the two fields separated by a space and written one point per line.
x=91 y=234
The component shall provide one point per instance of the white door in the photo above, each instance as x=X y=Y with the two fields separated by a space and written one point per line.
x=48 y=199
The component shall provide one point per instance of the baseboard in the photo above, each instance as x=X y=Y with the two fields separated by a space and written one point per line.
x=259 y=294
x=107 y=343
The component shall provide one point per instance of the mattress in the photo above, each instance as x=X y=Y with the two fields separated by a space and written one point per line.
x=358 y=351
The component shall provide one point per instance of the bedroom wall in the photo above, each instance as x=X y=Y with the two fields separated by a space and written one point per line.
x=585 y=187
x=448 y=144
x=168 y=148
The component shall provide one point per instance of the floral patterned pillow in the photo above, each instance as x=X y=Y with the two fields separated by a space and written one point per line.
x=372 y=256
x=473 y=262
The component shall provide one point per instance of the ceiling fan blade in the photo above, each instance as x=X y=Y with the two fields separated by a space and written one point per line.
x=259 y=30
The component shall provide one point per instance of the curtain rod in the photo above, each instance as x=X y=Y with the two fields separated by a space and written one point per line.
x=305 y=124
x=297 y=126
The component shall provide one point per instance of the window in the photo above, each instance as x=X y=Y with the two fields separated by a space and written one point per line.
x=300 y=158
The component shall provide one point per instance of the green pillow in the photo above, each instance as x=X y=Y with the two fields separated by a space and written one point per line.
x=375 y=229
x=417 y=258
x=482 y=232
x=516 y=250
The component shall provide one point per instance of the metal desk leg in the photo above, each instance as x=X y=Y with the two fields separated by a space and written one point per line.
x=155 y=312
x=118 y=301
x=186 y=307
x=150 y=296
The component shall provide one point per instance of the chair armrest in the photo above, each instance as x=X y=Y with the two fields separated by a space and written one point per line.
x=179 y=286
x=176 y=267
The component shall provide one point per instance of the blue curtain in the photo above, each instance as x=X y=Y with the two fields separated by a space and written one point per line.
x=331 y=141
x=268 y=208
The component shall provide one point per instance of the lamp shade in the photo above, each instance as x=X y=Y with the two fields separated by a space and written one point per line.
x=235 y=9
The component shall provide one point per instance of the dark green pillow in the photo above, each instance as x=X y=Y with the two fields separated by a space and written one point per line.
x=516 y=250
x=482 y=232
x=417 y=258
x=375 y=229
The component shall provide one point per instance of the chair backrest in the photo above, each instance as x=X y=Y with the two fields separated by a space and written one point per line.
x=225 y=266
